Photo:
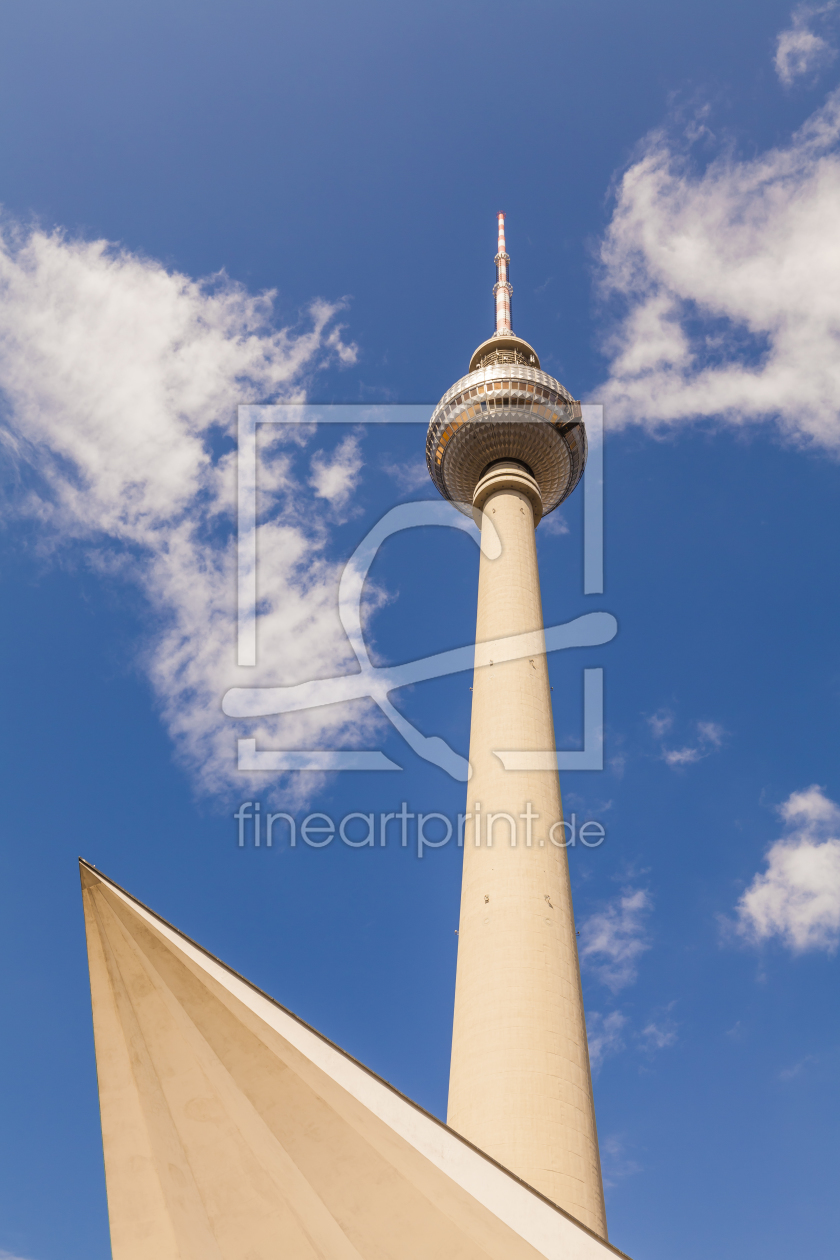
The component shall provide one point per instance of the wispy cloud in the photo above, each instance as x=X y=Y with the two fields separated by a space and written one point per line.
x=613 y=939
x=659 y=1035
x=709 y=737
x=660 y=723
x=409 y=475
x=790 y=1073
x=711 y=733
x=796 y=899
x=608 y=1034
x=618 y=764
x=554 y=524
x=711 y=270
x=800 y=51
x=605 y=1036
x=120 y=381
x=681 y=756
x=616 y=1164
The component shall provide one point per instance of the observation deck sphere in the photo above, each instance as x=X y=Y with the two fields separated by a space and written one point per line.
x=506 y=408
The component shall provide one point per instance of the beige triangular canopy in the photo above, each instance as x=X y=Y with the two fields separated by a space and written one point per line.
x=233 y=1131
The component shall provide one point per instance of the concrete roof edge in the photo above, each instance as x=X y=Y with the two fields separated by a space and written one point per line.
x=104 y=879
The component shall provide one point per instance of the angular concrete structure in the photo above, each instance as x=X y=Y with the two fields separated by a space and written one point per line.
x=507 y=443
x=233 y=1131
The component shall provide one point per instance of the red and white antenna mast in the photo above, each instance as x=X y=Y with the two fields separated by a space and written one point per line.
x=503 y=288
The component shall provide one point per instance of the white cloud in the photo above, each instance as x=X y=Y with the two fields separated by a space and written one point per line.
x=800 y=51
x=711 y=733
x=555 y=524
x=681 y=756
x=728 y=283
x=797 y=898
x=604 y=1034
x=810 y=808
x=335 y=478
x=615 y=1163
x=618 y=764
x=118 y=382
x=613 y=939
x=660 y=723
x=710 y=736
x=658 y=1036
x=408 y=475
x=790 y=1073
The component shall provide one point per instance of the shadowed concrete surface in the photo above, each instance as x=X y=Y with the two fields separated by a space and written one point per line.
x=233 y=1131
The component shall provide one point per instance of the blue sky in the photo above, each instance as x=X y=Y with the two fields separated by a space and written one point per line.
x=210 y=204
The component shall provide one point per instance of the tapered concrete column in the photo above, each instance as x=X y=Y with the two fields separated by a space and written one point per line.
x=520 y=1085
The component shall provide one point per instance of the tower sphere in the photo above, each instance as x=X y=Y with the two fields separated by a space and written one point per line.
x=506 y=408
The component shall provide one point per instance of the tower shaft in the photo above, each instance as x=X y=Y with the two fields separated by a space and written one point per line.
x=520 y=1085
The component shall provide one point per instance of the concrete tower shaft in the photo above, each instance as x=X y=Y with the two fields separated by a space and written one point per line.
x=520 y=1085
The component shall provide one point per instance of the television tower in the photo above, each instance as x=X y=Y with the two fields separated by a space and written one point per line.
x=508 y=444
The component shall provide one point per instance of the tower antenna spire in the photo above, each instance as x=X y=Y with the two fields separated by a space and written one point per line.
x=503 y=288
